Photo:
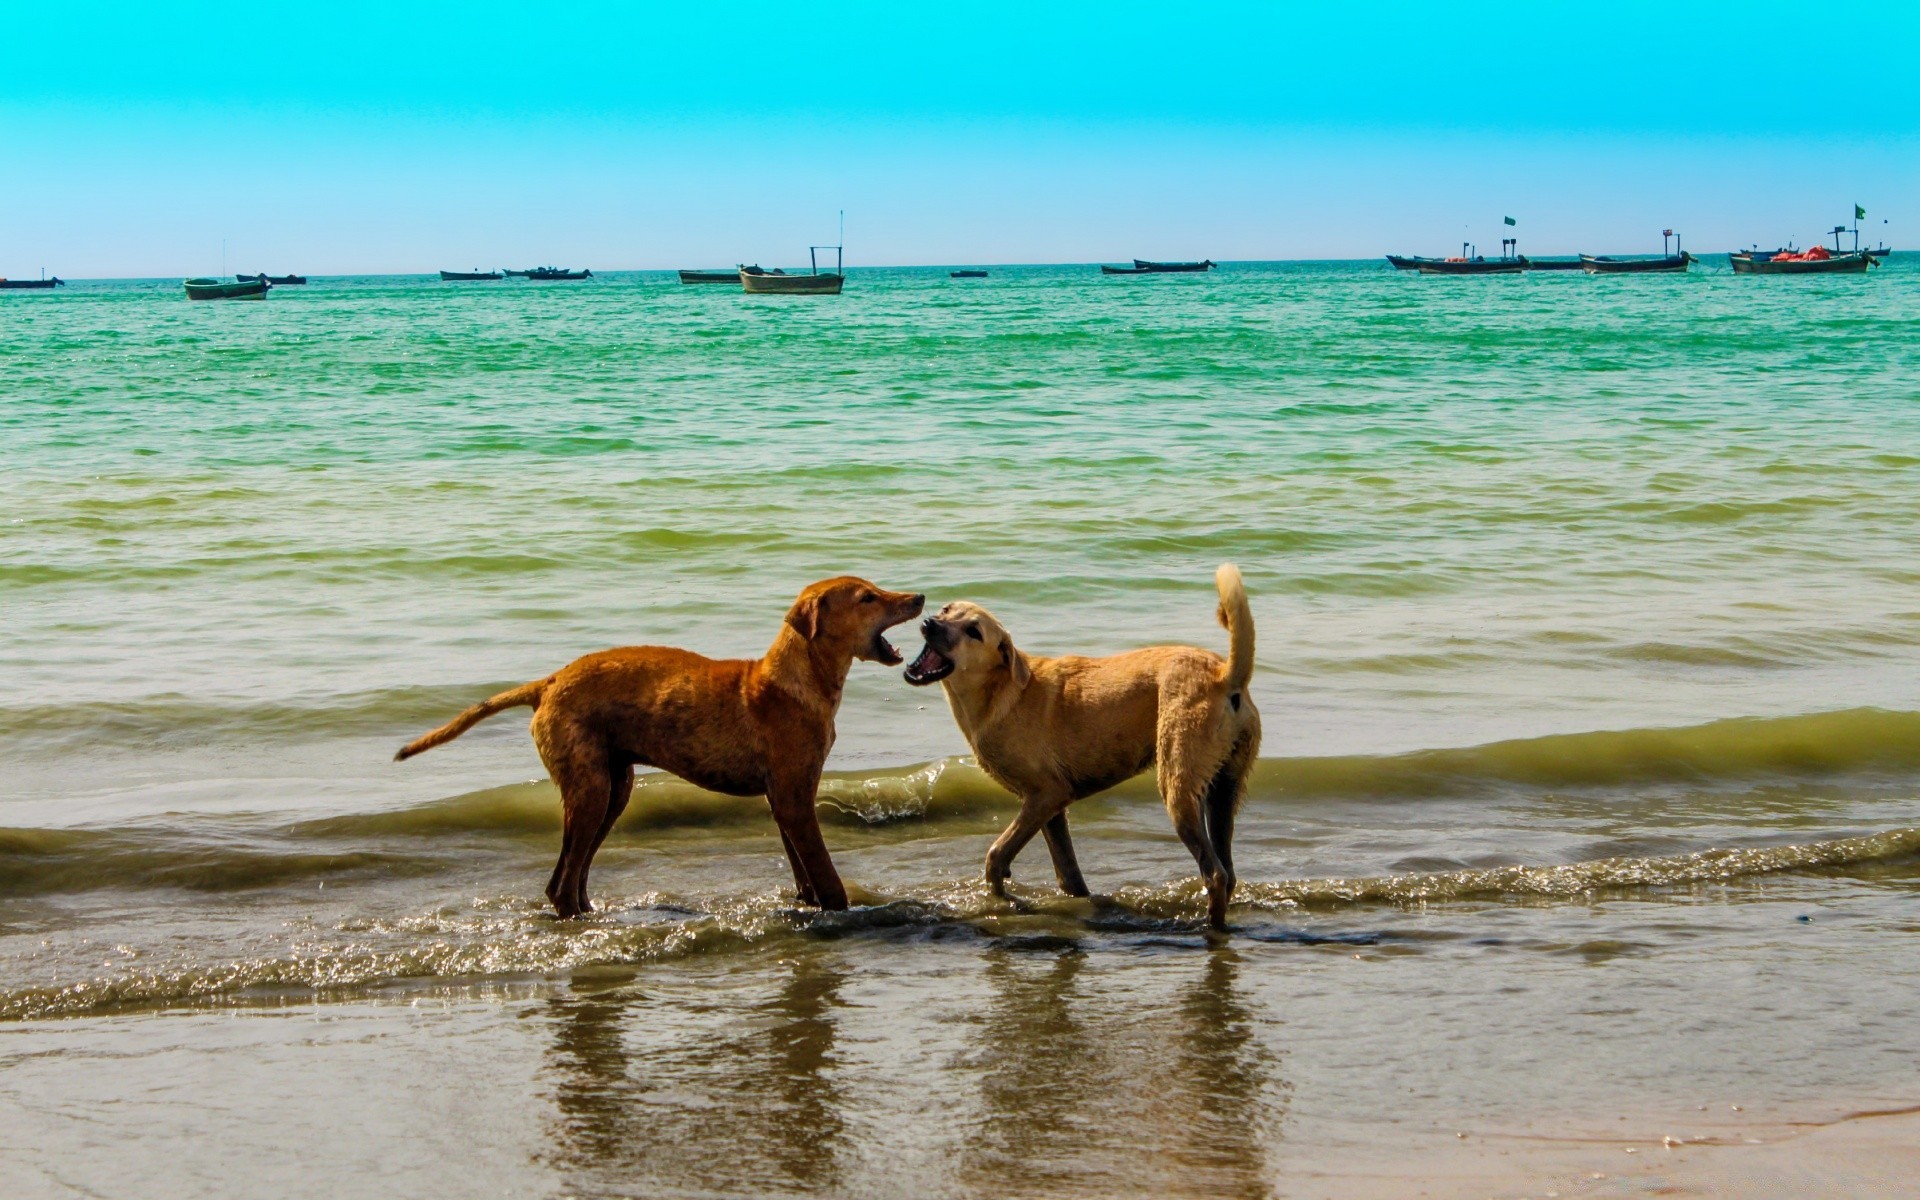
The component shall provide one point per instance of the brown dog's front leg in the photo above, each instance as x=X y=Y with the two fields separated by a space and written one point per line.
x=802 y=883
x=1065 y=866
x=792 y=799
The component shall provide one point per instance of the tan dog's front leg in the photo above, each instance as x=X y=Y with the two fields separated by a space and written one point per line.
x=1033 y=814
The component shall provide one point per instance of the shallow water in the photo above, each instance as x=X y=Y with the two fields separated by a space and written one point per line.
x=1588 y=650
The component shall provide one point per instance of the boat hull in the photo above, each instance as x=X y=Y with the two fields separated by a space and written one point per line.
x=1839 y=264
x=1172 y=268
x=34 y=285
x=556 y=276
x=1602 y=265
x=966 y=274
x=275 y=280
x=468 y=276
x=1402 y=262
x=823 y=284
x=214 y=289
x=1554 y=264
x=710 y=277
x=1481 y=266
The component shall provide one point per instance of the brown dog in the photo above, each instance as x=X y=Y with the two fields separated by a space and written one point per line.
x=1053 y=730
x=743 y=727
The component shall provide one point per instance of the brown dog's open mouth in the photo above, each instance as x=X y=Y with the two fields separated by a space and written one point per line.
x=882 y=652
x=931 y=667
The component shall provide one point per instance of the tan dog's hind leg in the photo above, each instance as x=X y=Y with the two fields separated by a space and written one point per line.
x=1224 y=793
x=1066 y=867
x=1186 y=771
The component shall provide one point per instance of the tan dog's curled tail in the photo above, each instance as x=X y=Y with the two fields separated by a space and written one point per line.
x=1237 y=617
x=526 y=695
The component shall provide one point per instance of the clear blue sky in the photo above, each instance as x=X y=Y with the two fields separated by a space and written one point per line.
x=350 y=137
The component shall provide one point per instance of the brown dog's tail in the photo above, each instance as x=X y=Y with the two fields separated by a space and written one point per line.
x=1238 y=619
x=527 y=694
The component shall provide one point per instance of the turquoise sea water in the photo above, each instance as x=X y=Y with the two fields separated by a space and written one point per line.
x=1589 y=663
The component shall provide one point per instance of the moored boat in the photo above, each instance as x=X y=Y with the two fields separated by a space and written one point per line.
x=1409 y=262
x=275 y=280
x=1554 y=264
x=1172 y=267
x=552 y=273
x=216 y=289
x=21 y=285
x=966 y=274
x=815 y=283
x=732 y=276
x=1817 y=261
x=467 y=276
x=1602 y=264
x=1474 y=266
x=1672 y=258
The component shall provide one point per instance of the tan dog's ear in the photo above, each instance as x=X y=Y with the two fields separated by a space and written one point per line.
x=1016 y=664
x=804 y=616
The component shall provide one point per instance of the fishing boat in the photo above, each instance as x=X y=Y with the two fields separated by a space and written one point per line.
x=1604 y=264
x=474 y=276
x=1171 y=268
x=1672 y=258
x=1817 y=261
x=551 y=273
x=516 y=274
x=732 y=276
x=1106 y=270
x=1474 y=266
x=1409 y=262
x=275 y=280
x=215 y=289
x=815 y=283
x=21 y=285
x=966 y=274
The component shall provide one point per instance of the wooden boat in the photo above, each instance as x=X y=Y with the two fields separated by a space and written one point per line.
x=1603 y=264
x=966 y=274
x=1817 y=261
x=467 y=276
x=1172 y=267
x=1409 y=262
x=20 y=285
x=815 y=283
x=1474 y=266
x=215 y=289
x=275 y=280
x=1106 y=270
x=551 y=273
x=732 y=276
x=1554 y=264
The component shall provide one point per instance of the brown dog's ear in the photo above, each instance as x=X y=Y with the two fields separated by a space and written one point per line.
x=804 y=616
x=1016 y=664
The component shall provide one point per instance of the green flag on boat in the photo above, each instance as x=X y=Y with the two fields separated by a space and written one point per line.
x=1858 y=212
x=1511 y=221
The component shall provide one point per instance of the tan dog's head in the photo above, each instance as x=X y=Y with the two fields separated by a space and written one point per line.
x=968 y=643
x=850 y=615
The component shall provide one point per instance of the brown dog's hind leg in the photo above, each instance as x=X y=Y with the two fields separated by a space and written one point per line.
x=586 y=786
x=617 y=797
x=1066 y=867
x=791 y=794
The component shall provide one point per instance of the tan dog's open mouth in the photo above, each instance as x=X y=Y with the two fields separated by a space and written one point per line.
x=932 y=666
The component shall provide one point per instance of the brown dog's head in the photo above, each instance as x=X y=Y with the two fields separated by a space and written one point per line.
x=965 y=641
x=851 y=614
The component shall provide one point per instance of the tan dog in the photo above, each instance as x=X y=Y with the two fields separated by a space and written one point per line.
x=743 y=727
x=1053 y=730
